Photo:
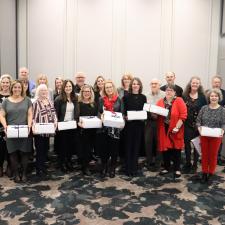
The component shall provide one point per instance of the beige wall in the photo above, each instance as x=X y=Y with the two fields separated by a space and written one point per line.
x=109 y=37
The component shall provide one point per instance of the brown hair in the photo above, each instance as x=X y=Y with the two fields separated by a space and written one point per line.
x=139 y=82
x=13 y=84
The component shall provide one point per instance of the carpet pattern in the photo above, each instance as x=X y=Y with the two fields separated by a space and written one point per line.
x=144 y=200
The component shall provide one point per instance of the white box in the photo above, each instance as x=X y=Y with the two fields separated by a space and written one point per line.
x=211 y=132
x=197 y=144
x=158 y=110
x=44 y=128
x=17 y=131
x=136 y=115
x=67 y=125
x=146 y=107
x=113 y=119
x=90 y=122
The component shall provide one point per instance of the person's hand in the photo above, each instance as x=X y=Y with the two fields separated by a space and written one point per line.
x=5 y=130
x=80 y=124
x=200 y=130
x=222 y=132
x=175 y=130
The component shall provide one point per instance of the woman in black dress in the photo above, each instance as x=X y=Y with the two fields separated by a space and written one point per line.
x=134 y=130
x=87 y=107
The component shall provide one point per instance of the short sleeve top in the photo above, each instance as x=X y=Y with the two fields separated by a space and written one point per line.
x=16 y=113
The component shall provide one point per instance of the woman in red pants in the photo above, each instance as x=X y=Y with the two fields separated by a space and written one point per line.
x=213 y=116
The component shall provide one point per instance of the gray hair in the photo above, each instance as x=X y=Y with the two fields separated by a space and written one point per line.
x=216 y=91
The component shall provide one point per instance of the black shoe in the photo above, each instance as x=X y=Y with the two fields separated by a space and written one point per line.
x=86 y=172
x=204 y=179
x=112 y=173
x=187 y=168
x=63 y=169
x=1 y=171
x=69 y=167
x=163 y=172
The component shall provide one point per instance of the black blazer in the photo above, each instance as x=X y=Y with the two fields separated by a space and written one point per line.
x=60 y=107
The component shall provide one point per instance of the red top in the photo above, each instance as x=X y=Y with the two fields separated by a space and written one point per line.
x=169 y=139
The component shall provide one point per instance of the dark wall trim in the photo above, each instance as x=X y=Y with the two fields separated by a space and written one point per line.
x=16 y=25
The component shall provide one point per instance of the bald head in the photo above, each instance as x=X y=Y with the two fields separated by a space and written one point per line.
x=23 y=73
x=80 y=78
x=170 y=77
x=155 y=85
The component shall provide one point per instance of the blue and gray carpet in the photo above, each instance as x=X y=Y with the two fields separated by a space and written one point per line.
x=145 y=200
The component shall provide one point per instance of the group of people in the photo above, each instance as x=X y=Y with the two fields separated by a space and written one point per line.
x=161 y=138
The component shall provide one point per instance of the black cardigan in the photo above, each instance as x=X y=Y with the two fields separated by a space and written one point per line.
x=60 y=107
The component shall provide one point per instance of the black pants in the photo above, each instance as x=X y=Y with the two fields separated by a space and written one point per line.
x=172 y=155
x=41 y=145
x=134 y=135
x=189 y=134
x=19 y=160
x=68 y=144
x=150 y=140
x=86 y=139
x=110 y=150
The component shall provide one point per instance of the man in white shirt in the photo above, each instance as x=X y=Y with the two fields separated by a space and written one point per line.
x=151 y=125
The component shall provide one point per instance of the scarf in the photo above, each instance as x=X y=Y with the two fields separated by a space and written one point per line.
x=109 y=103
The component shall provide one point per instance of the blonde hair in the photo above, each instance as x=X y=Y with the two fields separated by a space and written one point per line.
x=42 y=75
x=115 y=92
x=126 y=75
x=8 y=77
x=81 y=97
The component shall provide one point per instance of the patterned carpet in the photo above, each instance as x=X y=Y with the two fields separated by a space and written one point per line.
x=144 y=200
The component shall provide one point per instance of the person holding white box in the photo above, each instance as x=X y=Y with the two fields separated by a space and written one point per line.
x=111 y=136
x=87 y=107
x=212 y=116
x=5 y=83
x=66 y=105
x=17 y=110
x=43 y=112
x=171 y=130
x=151 y=126
x=134 y=130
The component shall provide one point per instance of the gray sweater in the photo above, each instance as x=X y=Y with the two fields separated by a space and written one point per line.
x=213 y=118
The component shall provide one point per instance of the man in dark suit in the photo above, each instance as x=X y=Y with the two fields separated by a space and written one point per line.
x=80 y=81
x=217 y=83
x=170 y=78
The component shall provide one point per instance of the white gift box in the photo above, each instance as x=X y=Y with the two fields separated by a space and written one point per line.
x=146 y=107
x=67 y=125
x=90 y=122
x=17 y=131
x=196 y=143
x=44 y=128
x=113 y=119
x=158 y=110
x=136 y=115
x=211 y=132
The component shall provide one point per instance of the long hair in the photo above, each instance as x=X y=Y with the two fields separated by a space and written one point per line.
x=72 y=94
x=81 y=96
x=41 y=75
x=115 y=92
x=139 y=82
x=128 y=76
x=95 y=87
x=188 y=87
x=57 y=78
